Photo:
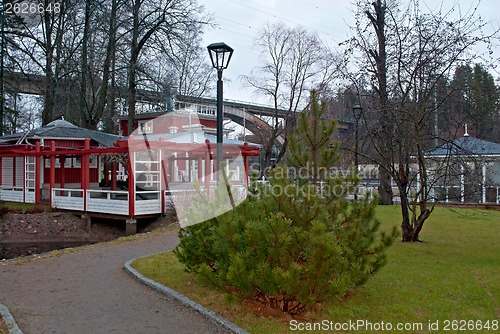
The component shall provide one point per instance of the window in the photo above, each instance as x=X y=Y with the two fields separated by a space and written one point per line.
x=77 y=162
x=93 y=161
x=145 y=126
x=67 y=162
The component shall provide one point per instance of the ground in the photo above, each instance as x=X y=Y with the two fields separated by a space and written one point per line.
x=30 y=233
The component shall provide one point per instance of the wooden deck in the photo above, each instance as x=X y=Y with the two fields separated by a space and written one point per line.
x=16 y=194
x=115 y=202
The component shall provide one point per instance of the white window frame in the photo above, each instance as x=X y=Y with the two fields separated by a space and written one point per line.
x=145 y=127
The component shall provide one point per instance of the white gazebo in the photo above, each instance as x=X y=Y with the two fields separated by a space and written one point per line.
x=465 y=170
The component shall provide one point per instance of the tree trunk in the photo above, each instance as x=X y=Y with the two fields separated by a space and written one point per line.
x=135 y=50
x=132 y=66
x=84 y=105
x=380 y=59
x=110 y=125
x=131 y=97
x=282 y=151
x=385 y=187
x=420 y=223
x=268 y=151
x=407 y=228
x=410 y=232
x=49 y=91
x=407 y=231
x=267 y=157
x=110 y=50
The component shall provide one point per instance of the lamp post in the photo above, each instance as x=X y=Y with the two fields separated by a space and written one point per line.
x=220 y=55
x=357 y=111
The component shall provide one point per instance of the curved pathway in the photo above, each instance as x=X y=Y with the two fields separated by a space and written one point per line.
x=88 y=291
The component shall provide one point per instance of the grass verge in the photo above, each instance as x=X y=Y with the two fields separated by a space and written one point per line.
x=3 y=326
x=19 y=207
x=453 y=275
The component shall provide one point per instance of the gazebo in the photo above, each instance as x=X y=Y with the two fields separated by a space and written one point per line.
x=77 y=169
x=465 y=170
x=21 y=173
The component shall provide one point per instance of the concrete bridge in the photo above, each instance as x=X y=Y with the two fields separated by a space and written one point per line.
x=244 y=114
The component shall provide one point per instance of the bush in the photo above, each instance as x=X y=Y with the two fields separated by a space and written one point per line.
x=297 y=241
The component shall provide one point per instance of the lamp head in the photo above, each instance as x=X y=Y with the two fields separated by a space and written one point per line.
x=357 y=110
x=220 y=55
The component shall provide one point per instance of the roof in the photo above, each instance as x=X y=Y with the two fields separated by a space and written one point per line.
x=65 y=129
x=465 y=146
x=194 y=137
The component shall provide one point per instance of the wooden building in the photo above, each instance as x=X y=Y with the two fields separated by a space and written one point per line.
x=77 y=169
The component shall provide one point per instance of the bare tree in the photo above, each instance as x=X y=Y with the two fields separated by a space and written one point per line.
x=45 y=47
x=193 y=72
x=85 y=71
x=420 y=50
x=294 y=61
x=110 y=55
x=173 y=19
x=92 y=54
x=98 y=51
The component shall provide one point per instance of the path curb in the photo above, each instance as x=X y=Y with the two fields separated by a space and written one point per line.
x=9 y=320
x=210 y=315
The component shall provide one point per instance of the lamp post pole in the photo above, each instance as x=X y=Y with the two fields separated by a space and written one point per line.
x=220 y=55
x=357 y=110
x=220 y=118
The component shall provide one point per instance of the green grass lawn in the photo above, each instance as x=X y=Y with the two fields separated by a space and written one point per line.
x=3 y=326
x=453 y=275
x=23 y=207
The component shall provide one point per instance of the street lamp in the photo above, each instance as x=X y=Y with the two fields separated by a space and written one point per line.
x=357 y=110
x=220 y=55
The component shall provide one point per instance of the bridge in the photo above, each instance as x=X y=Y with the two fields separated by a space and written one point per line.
x=244 y=114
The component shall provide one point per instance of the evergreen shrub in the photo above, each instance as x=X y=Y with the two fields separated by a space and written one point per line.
x=297 y=241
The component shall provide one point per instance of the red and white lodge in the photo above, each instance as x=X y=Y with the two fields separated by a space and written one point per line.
x=78 y=169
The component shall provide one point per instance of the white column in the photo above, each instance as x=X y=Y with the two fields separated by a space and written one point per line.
x=212 y=170
x=462 y=181
x=417 y=186
x=176 y=168
x=484 y=181
x=431 y=191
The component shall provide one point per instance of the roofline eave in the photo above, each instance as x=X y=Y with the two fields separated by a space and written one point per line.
x=442 y=156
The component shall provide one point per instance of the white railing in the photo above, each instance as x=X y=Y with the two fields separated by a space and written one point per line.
x=107 y=201
x=147 y=202
x=30 y=196
x=67 y=199
x=12 y=194
x=443 y=193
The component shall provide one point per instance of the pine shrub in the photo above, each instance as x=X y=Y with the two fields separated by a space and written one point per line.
x=297 y=241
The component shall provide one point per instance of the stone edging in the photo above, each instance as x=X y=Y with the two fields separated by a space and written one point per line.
x=210 y=315
x=9 y=320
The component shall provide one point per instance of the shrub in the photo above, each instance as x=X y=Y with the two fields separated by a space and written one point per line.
x=297 y=241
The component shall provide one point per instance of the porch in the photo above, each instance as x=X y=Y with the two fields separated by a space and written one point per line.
x=148 y=172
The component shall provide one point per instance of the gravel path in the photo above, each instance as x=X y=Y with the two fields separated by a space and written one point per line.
x=87 y=291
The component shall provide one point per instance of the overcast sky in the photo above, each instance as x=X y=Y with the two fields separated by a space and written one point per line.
x=239 y=21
